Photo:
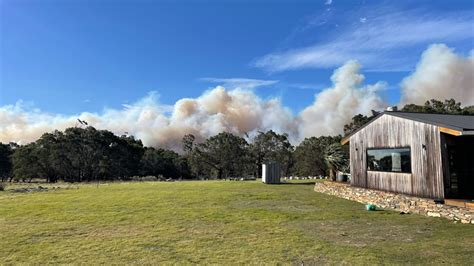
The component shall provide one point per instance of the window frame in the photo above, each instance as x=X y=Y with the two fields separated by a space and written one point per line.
x=387 y=148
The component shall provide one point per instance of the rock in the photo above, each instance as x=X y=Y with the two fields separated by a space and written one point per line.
x=398 y=202
x=464 y=221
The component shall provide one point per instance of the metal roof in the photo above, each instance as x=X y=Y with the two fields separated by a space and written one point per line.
x=461 y=123
x=456 y=122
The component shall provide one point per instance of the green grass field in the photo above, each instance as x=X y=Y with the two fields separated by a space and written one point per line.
x=224 y=222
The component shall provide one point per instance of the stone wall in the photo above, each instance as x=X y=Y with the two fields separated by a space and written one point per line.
x=398 y=202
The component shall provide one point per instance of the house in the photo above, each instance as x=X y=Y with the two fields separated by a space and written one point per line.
x=419 y=154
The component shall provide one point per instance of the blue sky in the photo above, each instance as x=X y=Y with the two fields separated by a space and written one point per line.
x=72 y=56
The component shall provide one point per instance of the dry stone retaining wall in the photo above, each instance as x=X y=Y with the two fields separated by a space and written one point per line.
x=399 y=202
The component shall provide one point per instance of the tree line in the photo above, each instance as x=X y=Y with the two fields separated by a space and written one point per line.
x=86 y=154
x=227 y=155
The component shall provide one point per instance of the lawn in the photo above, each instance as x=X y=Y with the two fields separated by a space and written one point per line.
x=218 y=222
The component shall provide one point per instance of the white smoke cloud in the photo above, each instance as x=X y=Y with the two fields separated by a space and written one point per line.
x=334 y=107
x=22 y=124
x=237 y=111
x=440 y=74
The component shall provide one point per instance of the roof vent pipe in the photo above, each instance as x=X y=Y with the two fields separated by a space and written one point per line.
x=392 y=108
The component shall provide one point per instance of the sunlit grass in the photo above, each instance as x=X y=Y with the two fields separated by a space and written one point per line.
x=217 y=222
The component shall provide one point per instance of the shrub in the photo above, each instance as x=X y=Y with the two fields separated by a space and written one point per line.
x=3 y=186
x=149 y=178
x=146 y=178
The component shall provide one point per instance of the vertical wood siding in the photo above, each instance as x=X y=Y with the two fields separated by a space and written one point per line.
x=426 y=178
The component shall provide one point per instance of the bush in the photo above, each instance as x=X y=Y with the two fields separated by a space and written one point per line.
x=147 y=178
x=3 y=186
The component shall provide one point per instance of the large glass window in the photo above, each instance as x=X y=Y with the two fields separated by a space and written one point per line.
x=389 y=160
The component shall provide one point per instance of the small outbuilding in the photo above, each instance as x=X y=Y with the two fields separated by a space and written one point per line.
x=420 y=154
x=271 y=173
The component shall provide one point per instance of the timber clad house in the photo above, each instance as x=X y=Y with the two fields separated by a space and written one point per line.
x=419 y=154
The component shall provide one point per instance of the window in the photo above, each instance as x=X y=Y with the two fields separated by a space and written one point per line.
x=389 y=160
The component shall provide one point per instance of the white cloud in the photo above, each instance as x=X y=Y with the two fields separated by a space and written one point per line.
x=242 y=83
x=383 y=43
x=304 y=86
x=328 y=2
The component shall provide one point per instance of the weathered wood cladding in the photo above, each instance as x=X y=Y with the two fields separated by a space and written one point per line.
x=426 y=178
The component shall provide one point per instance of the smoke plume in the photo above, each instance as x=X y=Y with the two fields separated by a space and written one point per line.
x=238 y=111
x=440 y=74
x=334 y=107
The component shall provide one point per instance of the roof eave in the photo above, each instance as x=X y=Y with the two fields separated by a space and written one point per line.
x=345 y=140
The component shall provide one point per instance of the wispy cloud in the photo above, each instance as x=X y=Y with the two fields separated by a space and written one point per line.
x=328 y=2
x=305 y=86
x=242 y=83
x=381 y=43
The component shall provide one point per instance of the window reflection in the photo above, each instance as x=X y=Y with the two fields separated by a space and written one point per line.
x=389 y=160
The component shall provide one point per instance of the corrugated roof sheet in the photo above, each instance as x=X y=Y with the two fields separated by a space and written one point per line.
x=461 y=123
x=457 y=122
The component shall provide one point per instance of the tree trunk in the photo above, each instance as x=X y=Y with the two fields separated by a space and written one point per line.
x=332 y=174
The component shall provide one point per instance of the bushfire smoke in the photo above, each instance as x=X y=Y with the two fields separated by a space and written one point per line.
x=440 y=74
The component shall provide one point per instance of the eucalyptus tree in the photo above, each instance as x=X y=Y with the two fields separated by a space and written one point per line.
x=270 y=146
x=308 y=158
x=313 y=154
x=224 y=154
x=25 y=163
x=6 y=152
x=449 y=106
x=166 y=163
